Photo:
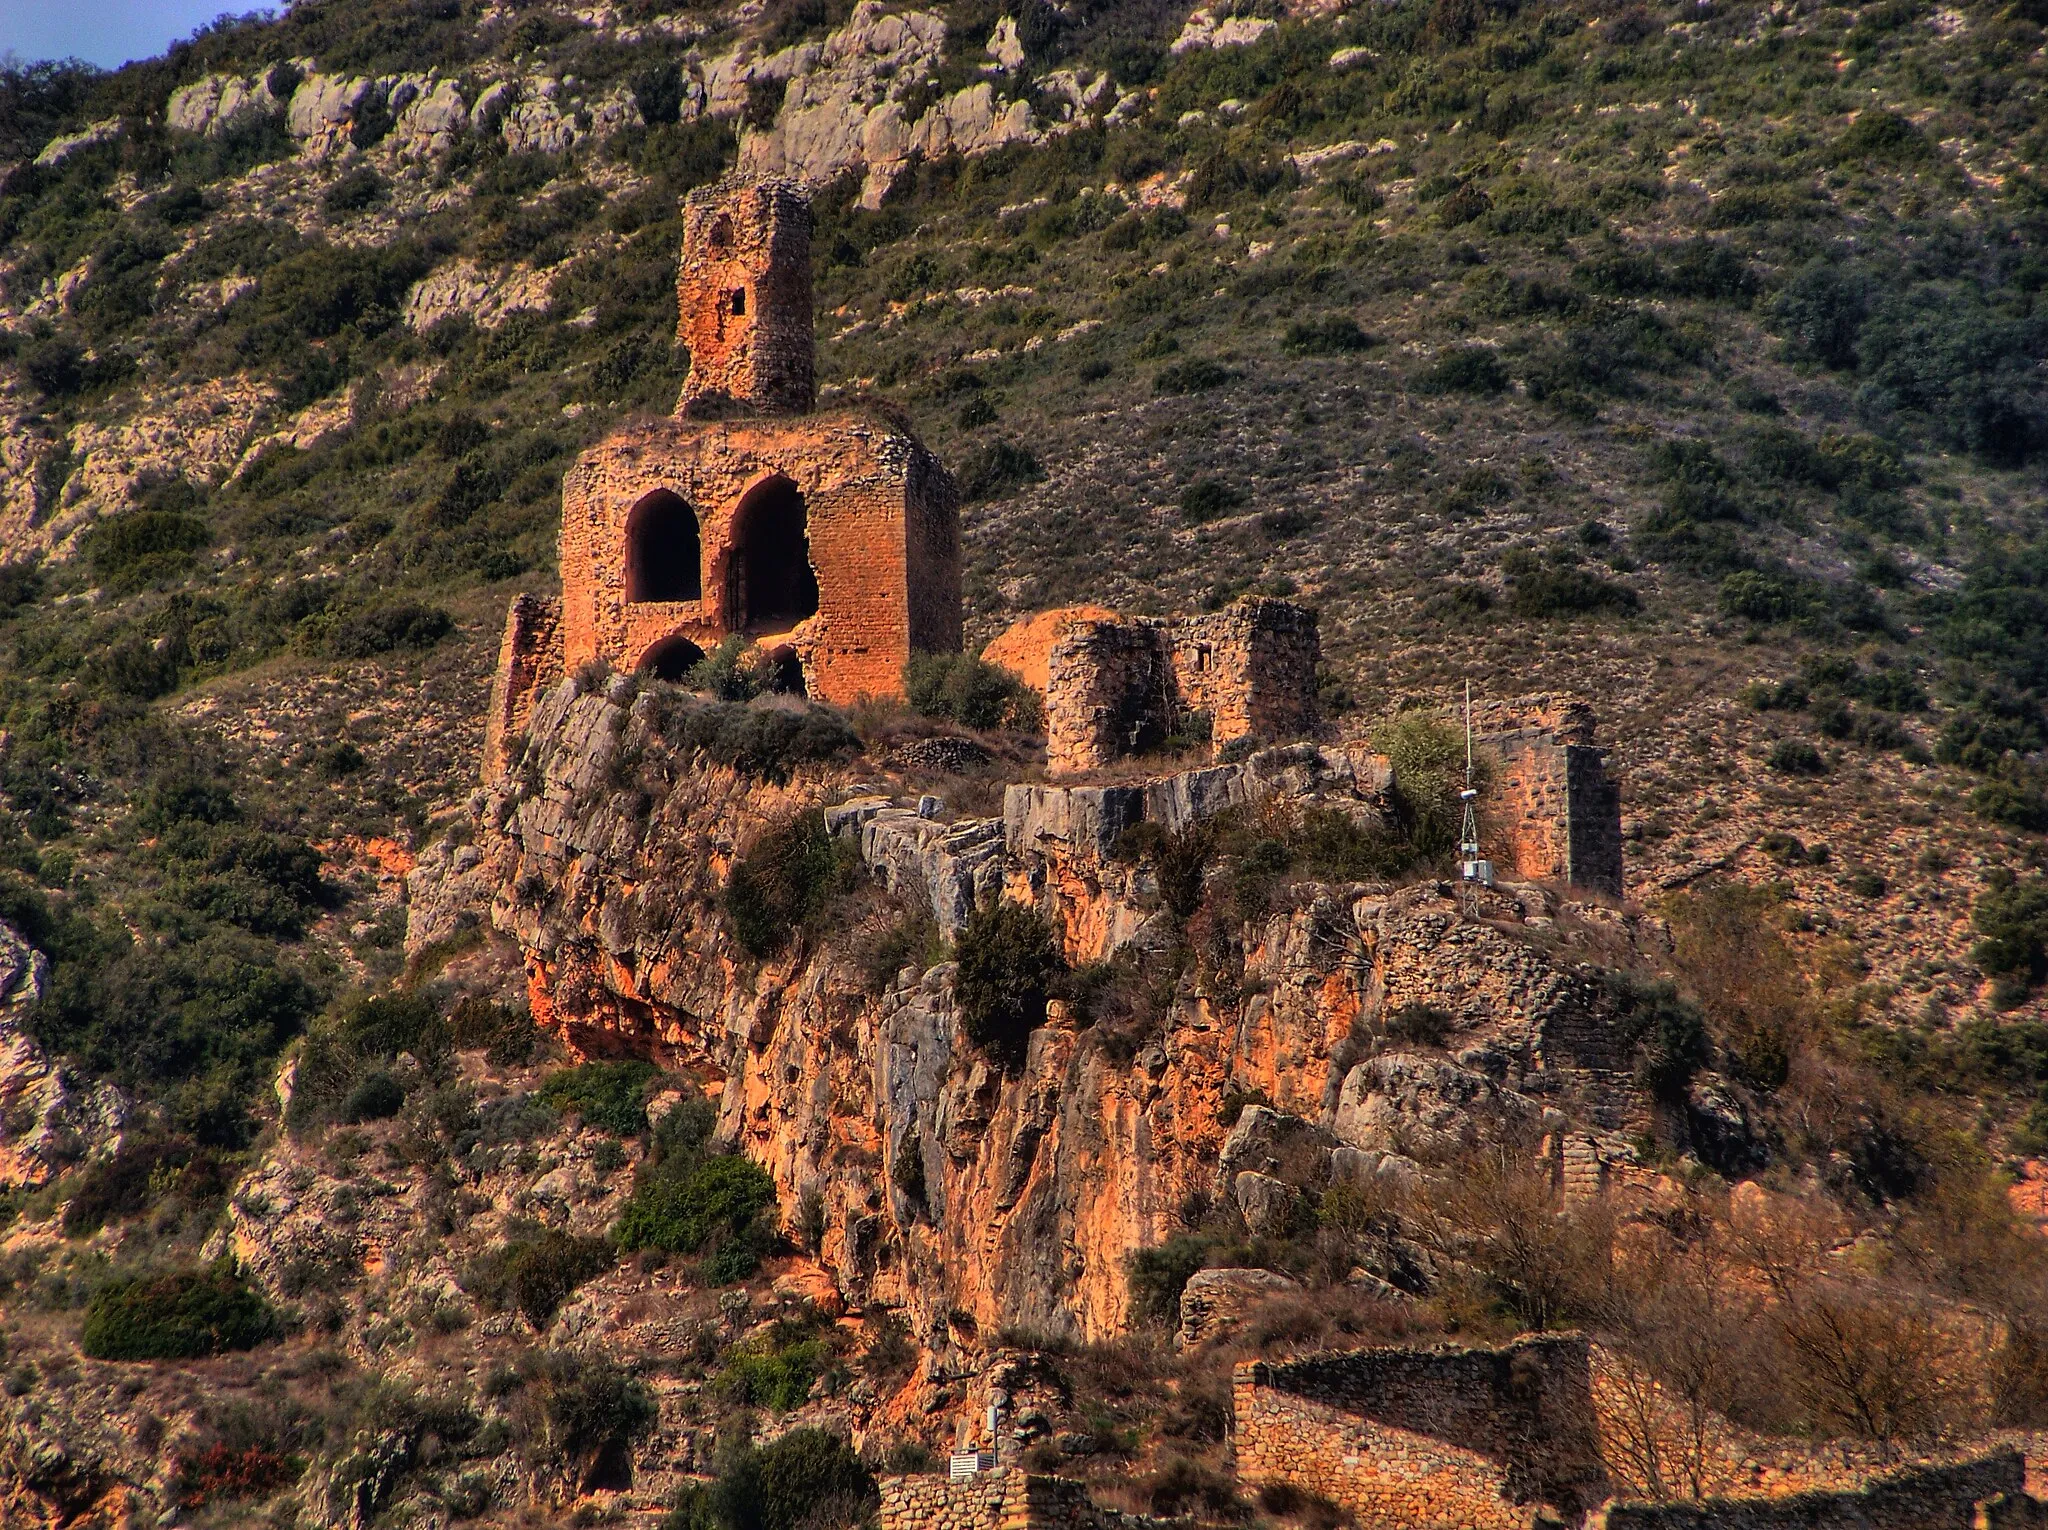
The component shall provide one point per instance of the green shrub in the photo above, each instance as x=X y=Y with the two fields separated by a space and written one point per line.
x=1196 y=375
x=1465 y=369
x=970 y=691
x=344 y=1054
x=805 y=1480
x=685 y=1207
x=760 y=1374
x=783 y=879
x=177 y=1315
x=995 y=469
x=1008 y=960
x=378 y=1097
x=1159 y=1274
x=1550 y=589
x=1755 y=596
x=1419 y=1025
x=1796 y=757
x=536 y=1271
x=608 y=1096
x=1207 y=498
x=381 y=630
x=1428 y=756
x=730 y=672
x=591 y=1411
x=132 y=551
x=766 y=742
x=1668 y=1032
x=2012 y=803
x=1331 y=335
x=2011 y=916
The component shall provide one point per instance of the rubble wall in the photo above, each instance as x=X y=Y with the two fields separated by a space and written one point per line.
x=529 y=661
x=1106 y=695
x=1448 y=1437
x=1005 y=1499
x=1553 y=815
x=1251 y=667
x=743 y=296
x=1918 y=1498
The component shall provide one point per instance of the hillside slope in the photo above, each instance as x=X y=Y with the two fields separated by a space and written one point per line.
x=1688 y=360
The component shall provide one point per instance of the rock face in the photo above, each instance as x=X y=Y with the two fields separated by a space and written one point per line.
x=49 y=1122
x=845 y=105
x=607 y=843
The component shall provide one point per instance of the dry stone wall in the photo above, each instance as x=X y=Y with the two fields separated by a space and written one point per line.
x=1004 y=1499
x=1470 y=1438
x=1985 y=1494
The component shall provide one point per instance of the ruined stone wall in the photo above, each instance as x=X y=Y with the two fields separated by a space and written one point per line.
x=1006 y=1499
x=1918 y=1498
x=743 y=296
x=1451 y=1437
x=1107 y=694
x=529 y=661
x=881 y=517
x=1114 y=687
x=1251 y=667
x=1551 y=812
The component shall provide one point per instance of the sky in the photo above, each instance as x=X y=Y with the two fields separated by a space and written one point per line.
x=104 y=32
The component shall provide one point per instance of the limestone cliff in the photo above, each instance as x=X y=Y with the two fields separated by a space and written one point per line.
x=606 y=848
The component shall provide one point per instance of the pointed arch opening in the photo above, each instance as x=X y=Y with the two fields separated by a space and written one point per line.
x=771 y=584
x=671 y=659
x=664 y=550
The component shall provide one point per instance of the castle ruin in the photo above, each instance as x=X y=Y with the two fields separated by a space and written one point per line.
x=1117 y=686
x=831 y=539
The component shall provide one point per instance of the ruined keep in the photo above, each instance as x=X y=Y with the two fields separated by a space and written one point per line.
x=831 y=539
x=1116 y=686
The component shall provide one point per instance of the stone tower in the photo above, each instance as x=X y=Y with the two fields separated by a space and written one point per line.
x=743 y=294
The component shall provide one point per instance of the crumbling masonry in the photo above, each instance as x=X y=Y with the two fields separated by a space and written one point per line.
x=1117 y=686
x=832 y=539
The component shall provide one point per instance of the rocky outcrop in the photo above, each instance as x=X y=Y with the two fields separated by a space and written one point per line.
x=217 y=103
x=50 y=1122
x=947 y=1184
x=848 y=104
x=462 y=286
x=198 y=432
x=57 y=150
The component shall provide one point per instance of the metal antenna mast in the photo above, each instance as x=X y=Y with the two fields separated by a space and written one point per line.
x=1471 y=868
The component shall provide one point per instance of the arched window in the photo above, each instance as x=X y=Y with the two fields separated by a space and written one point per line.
x=664 y=558
x=739 y=301
x=772 y=585
x=671 y=659
x=721 y=232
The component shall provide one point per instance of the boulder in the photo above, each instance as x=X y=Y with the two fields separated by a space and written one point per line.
x=1215 y=1301
x=1404 y=1102
x=1267 y=1204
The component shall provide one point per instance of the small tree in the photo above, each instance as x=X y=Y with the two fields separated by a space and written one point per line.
x=1007 y=962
